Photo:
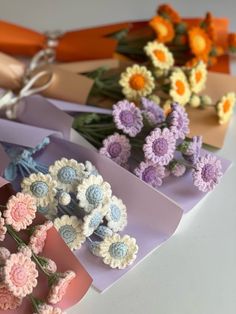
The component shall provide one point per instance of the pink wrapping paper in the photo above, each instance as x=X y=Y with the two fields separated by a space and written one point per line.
x=55 y=248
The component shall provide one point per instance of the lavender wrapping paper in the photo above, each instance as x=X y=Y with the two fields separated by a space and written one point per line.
x=37 y=111
x=152 y=217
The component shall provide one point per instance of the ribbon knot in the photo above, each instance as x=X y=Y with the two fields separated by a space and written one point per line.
x=53 y=38
x=9 y=101
x=22 y=160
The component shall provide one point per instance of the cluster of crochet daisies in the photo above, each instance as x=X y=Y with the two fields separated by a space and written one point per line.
x=81 y=205
x=158 y=141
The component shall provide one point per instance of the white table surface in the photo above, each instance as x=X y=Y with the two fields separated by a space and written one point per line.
x=195 y=271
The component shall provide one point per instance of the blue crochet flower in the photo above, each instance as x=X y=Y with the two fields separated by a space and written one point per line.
x=118 y=250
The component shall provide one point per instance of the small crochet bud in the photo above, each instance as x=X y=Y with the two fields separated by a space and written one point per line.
x=195 y=101
x=206 y=100
x=64 y=199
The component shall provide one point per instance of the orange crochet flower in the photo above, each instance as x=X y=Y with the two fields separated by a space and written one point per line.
x=208 y=25
x=199 y=41
x=168 y=12
x=163 y=28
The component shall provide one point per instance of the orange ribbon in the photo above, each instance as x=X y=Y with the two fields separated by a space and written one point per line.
x=86 y=44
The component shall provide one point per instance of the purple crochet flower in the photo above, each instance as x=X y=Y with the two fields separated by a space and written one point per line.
x=193 y=150
x=207 y=172
x=178 y=169
x=160 y=146
x=117 y=148
x=178 y=121
x=127 y=117
x=150 y=173
x=152 y=112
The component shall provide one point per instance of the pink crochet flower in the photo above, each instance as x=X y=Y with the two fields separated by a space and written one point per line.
x=20 y=275
x=59 y=287
x=48 y=309
x=4 y=255
x=7 y=300
x=25 y=250
x=20 y=212
x=51 y=266
x=3 y=229
x=38 y=238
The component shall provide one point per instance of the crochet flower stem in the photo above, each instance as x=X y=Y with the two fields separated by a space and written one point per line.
x=35 y=302
x=19 y=241
x=69 y=210
x=14 y=235
x=185 y=163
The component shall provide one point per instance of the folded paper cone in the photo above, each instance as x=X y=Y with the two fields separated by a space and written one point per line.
x=85 y=44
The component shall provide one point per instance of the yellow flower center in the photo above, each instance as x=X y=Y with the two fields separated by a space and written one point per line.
x=226 y=106
x=160 y=55
x=162 y=29
x=180 y=87
x=198 y=76
x=137 y=81
x=200 y=42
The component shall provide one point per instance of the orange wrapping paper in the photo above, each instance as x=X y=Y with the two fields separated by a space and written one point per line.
x=75 y=45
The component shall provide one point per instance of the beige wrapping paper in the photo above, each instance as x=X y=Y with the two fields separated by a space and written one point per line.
x=65 y=85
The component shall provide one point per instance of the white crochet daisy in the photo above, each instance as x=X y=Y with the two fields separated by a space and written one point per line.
x=93 y=220
x=68 y=173
x=70 y=229
x=118 y=252
x=93 y=192
x=41 y=186
x=116 y=215
x=49 y=211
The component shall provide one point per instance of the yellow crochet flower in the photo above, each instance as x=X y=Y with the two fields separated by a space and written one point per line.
x=225 y=107
x=197 y=77
x=136 y=82
x=179 y=87
x=159 y=54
